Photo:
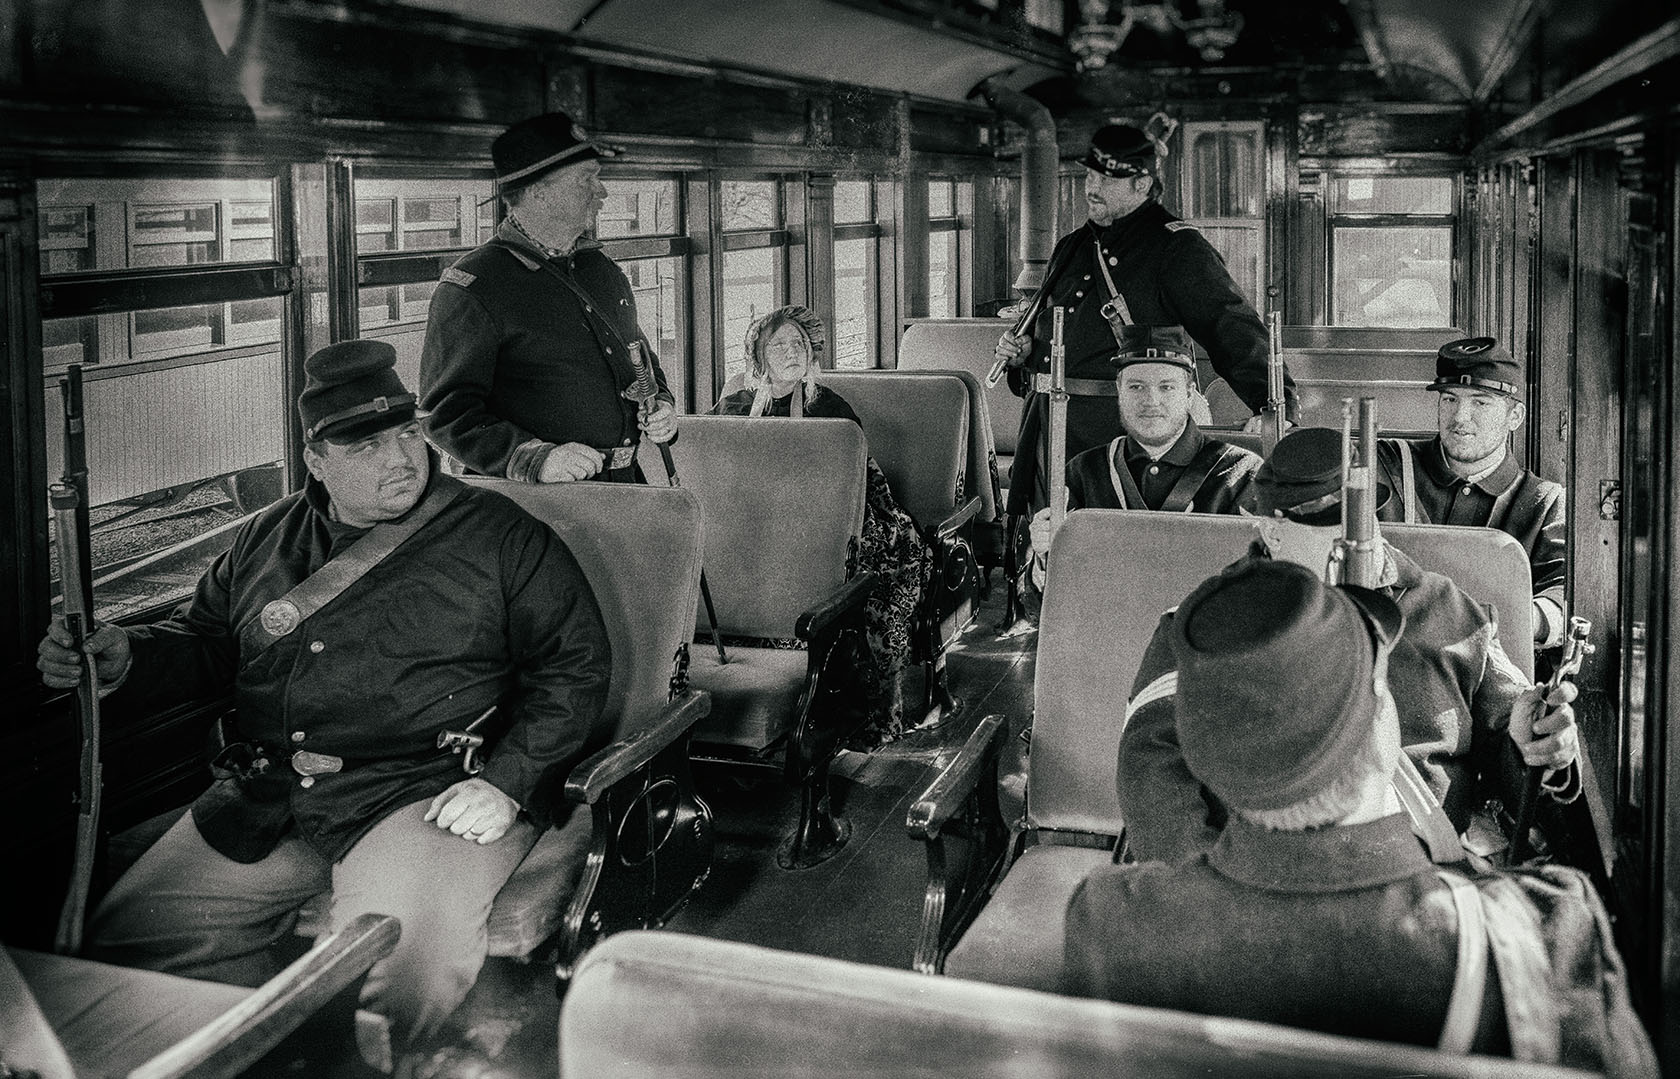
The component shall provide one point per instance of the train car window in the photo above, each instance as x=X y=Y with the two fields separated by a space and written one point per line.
x=1222 y=195
x=857 y=275
x=947 y=298
x=754 y=261
x=1391 y=251
x=642 y=227
x=435 y=219
x=1046 y=15
x=185 y=402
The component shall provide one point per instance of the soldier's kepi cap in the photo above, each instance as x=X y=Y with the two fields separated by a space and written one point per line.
x=1302 y=479
x=351 y=390
x=1122 y=150
x=531 y=149
x=1478 y=363
x=1276 y=680
x=1153 y=344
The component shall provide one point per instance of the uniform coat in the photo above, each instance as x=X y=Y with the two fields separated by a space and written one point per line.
x=483 y=606
x=515 y=363
x=1169 y=275
x=1228 y=487
x=1452 y=684
x=1349 y=930
x=1510 y=498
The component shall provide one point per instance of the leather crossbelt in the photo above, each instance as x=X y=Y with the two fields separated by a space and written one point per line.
x=1077 y=387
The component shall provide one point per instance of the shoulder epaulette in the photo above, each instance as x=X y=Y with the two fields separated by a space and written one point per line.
x=456 y=276
x=1175 y=226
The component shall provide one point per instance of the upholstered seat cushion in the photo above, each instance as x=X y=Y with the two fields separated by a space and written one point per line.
x=753 y=695
x=1017 y=939
x=112 y=1019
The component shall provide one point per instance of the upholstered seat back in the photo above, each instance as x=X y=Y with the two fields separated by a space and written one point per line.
x=983 y=480
x=1112 y=575
x=917 y=428
x=640 y=548
x=653 y=1005
x=965 y=344
x=783 y=501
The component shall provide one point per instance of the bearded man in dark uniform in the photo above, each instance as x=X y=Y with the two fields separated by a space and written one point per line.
x=439 y=605
x=1467 y=474
x=1165 y=273
x=528 y=339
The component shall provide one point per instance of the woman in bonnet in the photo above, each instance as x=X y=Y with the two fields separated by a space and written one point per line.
x=784 y=350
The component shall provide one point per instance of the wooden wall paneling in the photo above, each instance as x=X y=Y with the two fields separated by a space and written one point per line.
x=1309 y=264
x=1280 y=194
x=705 y=291
x=964 y=205
x=819 y=248
x=1336 y=130
x=23 y=555
x=795 y=255
x=1600 y=298
x=990 y=263
x=1662 y=819
x=889 y=311
x=911 y=212
x=683 y=106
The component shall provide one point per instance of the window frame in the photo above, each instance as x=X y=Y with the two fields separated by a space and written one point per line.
x=874 y=232
x=1256 y=222
x=1336 y=217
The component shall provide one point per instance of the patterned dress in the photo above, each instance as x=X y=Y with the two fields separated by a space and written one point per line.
x=893 y=550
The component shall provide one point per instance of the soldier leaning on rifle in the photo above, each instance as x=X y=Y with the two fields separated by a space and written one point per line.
x=446 y=603
x=1469 y=720
x=1467 y=474
x=1165 y=272
x=528 y=338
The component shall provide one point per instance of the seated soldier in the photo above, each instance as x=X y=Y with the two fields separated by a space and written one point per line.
x=1317 y=908
x=355 y=621
x=1163 y=461
x=1465 y=708
x=1467 y=474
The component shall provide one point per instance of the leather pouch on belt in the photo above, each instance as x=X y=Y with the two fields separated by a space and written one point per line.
x=245 y=818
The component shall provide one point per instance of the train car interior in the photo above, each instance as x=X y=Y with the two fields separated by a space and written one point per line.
x=198 y=195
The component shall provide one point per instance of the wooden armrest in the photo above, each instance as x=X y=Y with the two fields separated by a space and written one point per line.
x=591 y=779
x=944 y=797
x=850 y=596
x=256 y=1024
x=965 y=513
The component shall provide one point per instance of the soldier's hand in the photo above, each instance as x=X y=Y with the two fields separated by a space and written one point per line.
x=572 y=461
x=659 y=423
x=1039 y=529
x=61 y=667
x=1012 y=349
x=1544 y=731
x=474 y=809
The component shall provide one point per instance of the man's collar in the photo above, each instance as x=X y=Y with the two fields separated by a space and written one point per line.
x=1495 y=481
x=1113 y=228
x=1339 y=858
x=509 y=232
x=1180 y=453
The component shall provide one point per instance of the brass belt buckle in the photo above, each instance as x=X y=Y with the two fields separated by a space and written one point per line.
x=305 y=763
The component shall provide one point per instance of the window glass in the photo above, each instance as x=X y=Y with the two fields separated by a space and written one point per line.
x=852 y=202
x=941 y=200
x=942 y=275
x=853 y=339
x=749 y=204
x=422 y=214
x=117 y=224
x=65 y=341
x=749 y=292
x=638 y=208
x=1395 y=195
x=1224 y=174
x=1240 y=248
x=1400 y=277
x=431 y=223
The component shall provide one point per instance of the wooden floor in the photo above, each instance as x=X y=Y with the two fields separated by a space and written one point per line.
x=864 y=904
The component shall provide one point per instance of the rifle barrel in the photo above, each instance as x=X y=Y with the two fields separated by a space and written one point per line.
x=1056 y=460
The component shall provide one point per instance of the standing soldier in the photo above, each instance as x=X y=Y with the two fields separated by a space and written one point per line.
x=1138 y=262
x=1467 y=474
x=530 y=338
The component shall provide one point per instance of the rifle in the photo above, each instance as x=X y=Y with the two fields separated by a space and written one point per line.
x=1354 y=558
x=1272 y=416
x=1056 y=460
x=1029 y=315
x=1575 y=651
x=69 y=499
x=643 y=391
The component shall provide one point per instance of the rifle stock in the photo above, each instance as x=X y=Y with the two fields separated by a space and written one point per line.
x=1355 y=559
x=69 y=499
x=1575 y=651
